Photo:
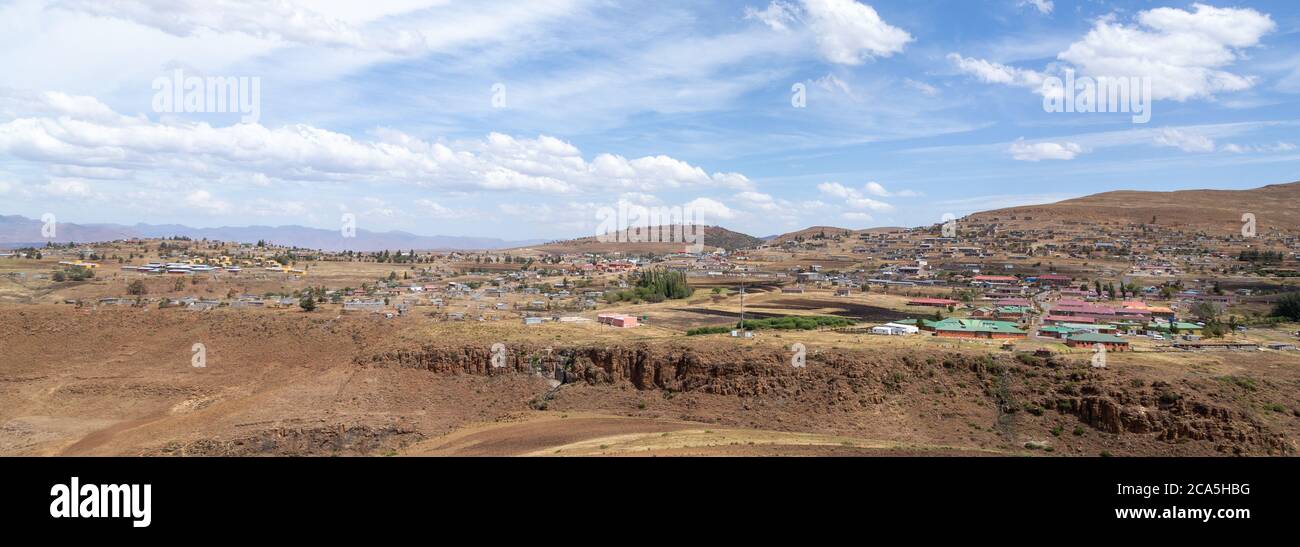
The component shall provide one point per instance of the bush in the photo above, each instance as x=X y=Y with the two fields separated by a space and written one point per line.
x=307 y=303
x=136 y=288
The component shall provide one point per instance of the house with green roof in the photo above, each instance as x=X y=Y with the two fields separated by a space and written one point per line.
x=977 y=328
x=1056 y=331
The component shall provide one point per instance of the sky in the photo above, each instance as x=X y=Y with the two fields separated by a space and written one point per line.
x=525 y=120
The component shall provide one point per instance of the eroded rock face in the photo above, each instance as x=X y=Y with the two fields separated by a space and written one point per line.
x=1023 y=389
x=300 y=441
x=1231 y=430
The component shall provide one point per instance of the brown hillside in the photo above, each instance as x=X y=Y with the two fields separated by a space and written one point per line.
x=1276 y=209
x=715 y=237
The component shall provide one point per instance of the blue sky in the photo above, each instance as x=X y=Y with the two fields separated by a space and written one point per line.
x=385 y=109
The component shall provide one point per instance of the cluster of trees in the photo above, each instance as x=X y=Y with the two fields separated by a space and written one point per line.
x=1288 y=307
x=1255 y=255
x=1112 y=291
x=29 y=252
x=655 y=286
x=74 y=273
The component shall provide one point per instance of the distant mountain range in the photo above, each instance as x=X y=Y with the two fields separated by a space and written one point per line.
x=19 y=231
x=1274 y=206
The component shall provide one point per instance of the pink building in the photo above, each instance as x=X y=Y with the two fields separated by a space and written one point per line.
x=617 y=320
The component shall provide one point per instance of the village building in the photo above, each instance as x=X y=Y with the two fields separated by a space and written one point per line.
x=1091 y=339
x=617 y=320
x=975 y=328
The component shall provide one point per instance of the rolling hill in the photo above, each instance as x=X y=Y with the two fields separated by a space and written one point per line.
x=715 y=237
x=1276 y=208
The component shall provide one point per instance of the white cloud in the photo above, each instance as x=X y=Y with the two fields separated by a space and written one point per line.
x=203 y=200
x=777 y=15
x=1184 y=53
x=925 y=89
x=832 y=83
x=856 y=216
x=1036 y=151
x=67 y=188
x=1043 y=6
x=639 y=198
x=708 y=209
x=1185 y=140
x=997 y=73
x=122 y=146
x=847 y=32
x=850 y=33
x=1263 y=148
x=402 y=27
x=852 y=197
x=877 y=189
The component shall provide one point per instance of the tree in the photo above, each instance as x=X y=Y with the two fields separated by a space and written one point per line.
x=136 y=288
x=1205 y=311
x=307 y=303
x=1288 y=306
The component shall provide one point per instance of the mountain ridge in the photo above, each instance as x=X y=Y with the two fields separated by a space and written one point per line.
x=17 y=230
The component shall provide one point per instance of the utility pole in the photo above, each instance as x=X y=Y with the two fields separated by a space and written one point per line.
x=742 y=305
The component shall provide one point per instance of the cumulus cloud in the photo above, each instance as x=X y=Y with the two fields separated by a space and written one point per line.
x=90 y=138
x=1037 y=151
x=847 y=32
x=203 y=200
x=851 y=33
x=1185 y=53
x=853 y=197
x=708 y=209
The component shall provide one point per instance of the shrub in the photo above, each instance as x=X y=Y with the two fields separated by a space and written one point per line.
x=707 y=330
